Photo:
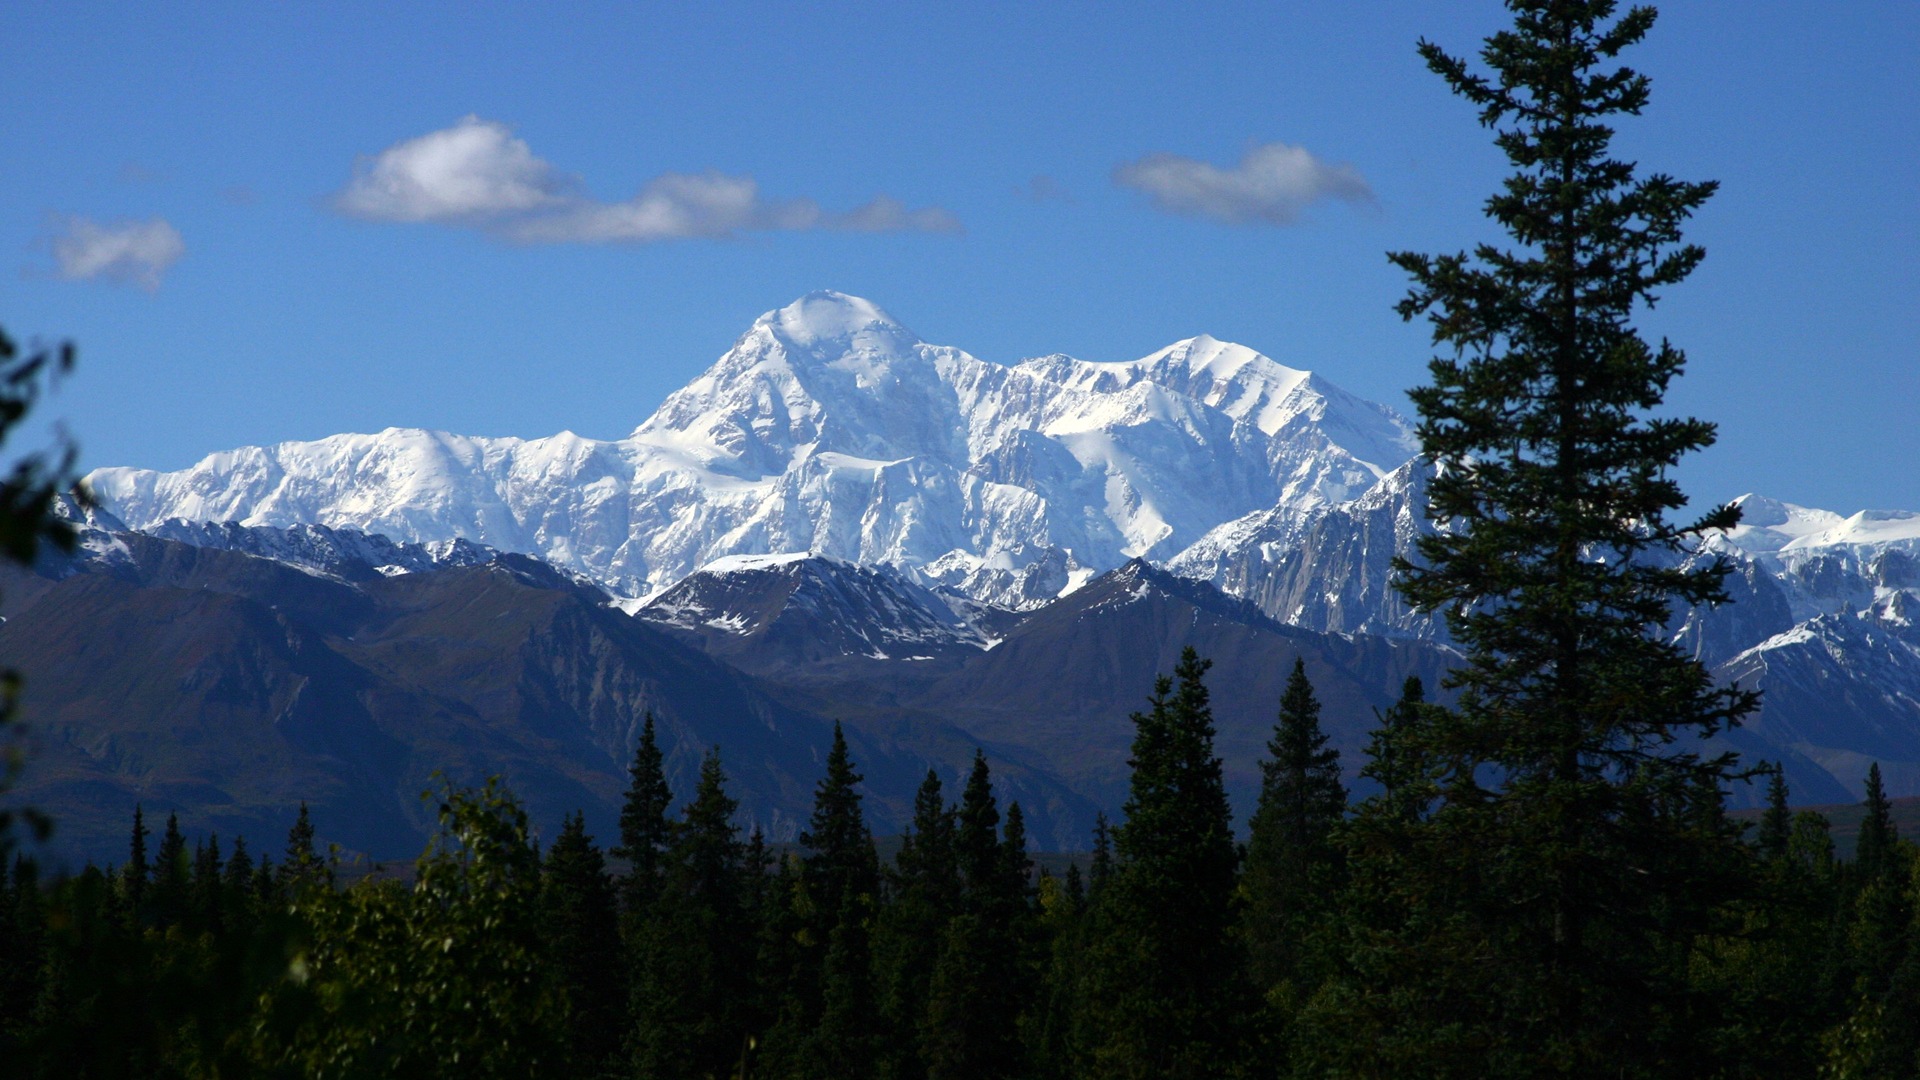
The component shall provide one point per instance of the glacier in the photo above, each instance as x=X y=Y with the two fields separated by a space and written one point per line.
x=830 y=428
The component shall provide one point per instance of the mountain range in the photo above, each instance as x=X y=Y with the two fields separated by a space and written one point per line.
x=831 y=428
x=838 y=521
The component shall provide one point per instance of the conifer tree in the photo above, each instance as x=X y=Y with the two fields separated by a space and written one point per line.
x=1873 y=853
x=827 y=1015
x=1015 y=861
x=1393 y=759
x=1166 y=994
x=977 y=838
x=766 y=909
x=1291 y=860
x=172 y=875
x=1776 y=825
x=133 y=877
x=840 y=858
x=268 y=893
x=1062 y=919
x=1101 y=867
x=1570 y=862
x=205 y=904
x=302 y=866
x=925 y=894
x=644 y=828
x=972 y=1025
x=580 y=925
x=236 y=888
x=846 y=1041
x=694 y=983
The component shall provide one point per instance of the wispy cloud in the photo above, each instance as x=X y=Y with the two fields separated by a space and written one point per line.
x=128 y=252
x=1271 y=185
x=477 y=174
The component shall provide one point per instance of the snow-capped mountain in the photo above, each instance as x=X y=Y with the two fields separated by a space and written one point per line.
x=829 y=427
x=767 y=612
x=345 y=554
x=1822 y=619
x=1332 y=572
x=1829 y=564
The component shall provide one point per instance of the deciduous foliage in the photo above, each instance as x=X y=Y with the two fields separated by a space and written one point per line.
x=29 y=490
x=444 y=978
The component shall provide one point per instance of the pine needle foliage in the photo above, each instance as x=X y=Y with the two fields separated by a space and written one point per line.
x=1165 y=992
x=1291 y=858
x=1573 y=851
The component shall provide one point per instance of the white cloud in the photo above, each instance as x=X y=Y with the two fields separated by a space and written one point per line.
x=1271 y=185
x=131 y=252
x=673 y=206
x=886 y=214
x=473 y=170
x=476 y=174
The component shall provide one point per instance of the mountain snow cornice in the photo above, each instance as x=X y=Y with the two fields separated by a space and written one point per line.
x=829 y=427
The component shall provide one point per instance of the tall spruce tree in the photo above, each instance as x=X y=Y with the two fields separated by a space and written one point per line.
x=133 y=876
x=1873 y=852
x=840 y=858
x=1393 y=759
x=644 y=827
x=828 y=1020
x=925 y=894
x=1291 y=858
x=978 y=989
x=1776 y=825
x=172 y=875
x=581 y=928
x=695 y=981
x=1568 y=862
x=302 y=866
x=1165 y=986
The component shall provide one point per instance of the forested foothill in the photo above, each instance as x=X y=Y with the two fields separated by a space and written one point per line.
x=1544 y=881
x=681 y=948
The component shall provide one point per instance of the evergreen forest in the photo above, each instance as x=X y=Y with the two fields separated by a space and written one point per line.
x=1544 y=879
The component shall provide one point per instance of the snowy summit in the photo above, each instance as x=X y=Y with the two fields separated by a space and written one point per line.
x=829 y=427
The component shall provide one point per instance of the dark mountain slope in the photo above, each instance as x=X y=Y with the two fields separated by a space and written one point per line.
x=809 y=617
x=1057 y=692
x=229 y=688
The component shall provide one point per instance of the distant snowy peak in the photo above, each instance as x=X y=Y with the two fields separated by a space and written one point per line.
x=830 y=427
x=1827 y=563
x=827 y=318
x=1251 y=387
x=1768 y=525
x=347 y=554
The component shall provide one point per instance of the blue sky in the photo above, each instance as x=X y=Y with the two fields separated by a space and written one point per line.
x=232 y=209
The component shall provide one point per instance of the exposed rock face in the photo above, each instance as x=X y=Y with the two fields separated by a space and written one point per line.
x=794 y=613
x=232 y=688
x=830 y=428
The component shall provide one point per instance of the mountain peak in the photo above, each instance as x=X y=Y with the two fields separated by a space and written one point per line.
x=825 y=316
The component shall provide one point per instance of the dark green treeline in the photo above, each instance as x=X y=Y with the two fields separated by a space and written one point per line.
x=700 y=953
